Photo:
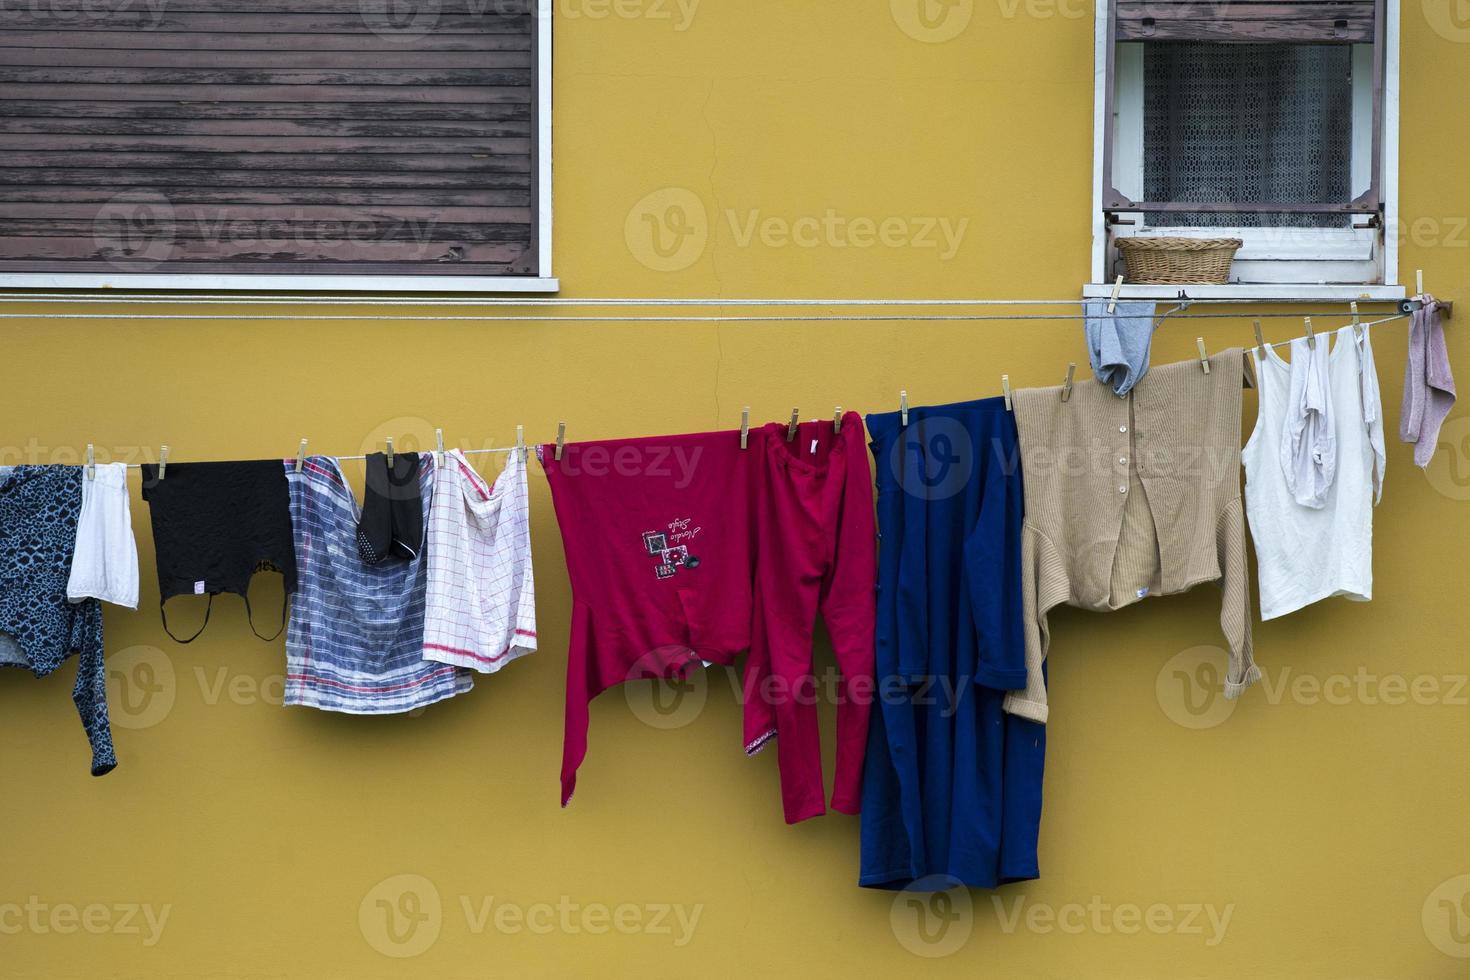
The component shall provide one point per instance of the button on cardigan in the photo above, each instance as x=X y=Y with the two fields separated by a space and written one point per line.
x=1132 y=497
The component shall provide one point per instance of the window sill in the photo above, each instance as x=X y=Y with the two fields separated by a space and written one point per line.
x=283 y=283
x=1256 y=291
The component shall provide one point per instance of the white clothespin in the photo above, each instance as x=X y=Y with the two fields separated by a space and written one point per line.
x=91 y=471
x=1067 y=385
x=1261 y=340
x=837 y=421
x=791 y=429
x=1311 y=334
x=745 y=427
x=162 y=462
x=521 y=441
x=1419 y=282
x=1357 y=323
x=1113 y=299
x=561 y=438
x=439 y=441
x=903 y=408
x=390 y=452
x=300 y=455
x=1204 y=359
x=1005 y=386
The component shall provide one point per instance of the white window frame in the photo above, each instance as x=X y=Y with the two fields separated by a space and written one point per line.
x=1280 y=264
x=543 y=282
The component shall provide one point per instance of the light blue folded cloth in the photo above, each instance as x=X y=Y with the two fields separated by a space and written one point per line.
x=1118 y=342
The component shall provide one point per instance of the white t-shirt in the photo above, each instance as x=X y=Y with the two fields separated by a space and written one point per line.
x=481 y=605
x=1307 y=554
x=104 y=564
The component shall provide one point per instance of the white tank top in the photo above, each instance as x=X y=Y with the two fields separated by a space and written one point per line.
x=1306 y=554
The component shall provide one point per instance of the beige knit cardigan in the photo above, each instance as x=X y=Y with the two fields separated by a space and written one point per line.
x=1132 y=497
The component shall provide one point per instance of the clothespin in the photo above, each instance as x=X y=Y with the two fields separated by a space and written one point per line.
x=1067 y=385
x=300 y=455
x=1357 y=324
x=1419 y=282
x=91 y=462
x=162 y=462
x=561 y=438
x=390 y=452
x=439 y=441
x=1261 y=340
x=1005 y=386
x=903 y=408
x=1204 y=359
x=791 y=429
x=837 y=421
x=1113 y=299
x=1311 y=334
x=745 y=427
x=521 y=441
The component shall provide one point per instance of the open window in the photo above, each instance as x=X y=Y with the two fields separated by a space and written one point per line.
x=1272 y=123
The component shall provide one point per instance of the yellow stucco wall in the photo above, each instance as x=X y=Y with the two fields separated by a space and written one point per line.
x=1317 y=829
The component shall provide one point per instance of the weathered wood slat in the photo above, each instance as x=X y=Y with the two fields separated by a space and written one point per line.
x=150 y=254
x=210 y=214
x=376 y=163
x=522 y=265
x=1243 y=31
x=1197 y=10
x=44 y=17
x=417 y=94
x=322 y=110
x=277 y=41
x=315 y=128
x=37 y=75
x=380 y=197
x=302 y=60
x=272 y=145
x=99 y=10
x=367 y=180
x=255 y=233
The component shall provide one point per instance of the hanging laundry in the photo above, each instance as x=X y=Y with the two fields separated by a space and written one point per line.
x=1429 y=384
x=356 y=639
x=104 y=564
x=660 y=550
x=815 y=551
x=480 y=610
x=214 y=526
x=392 y=522
x=1306 y=554
x=952 y=784
x=1118 y=343
x=1308 y=445
x=39 y=628
x=1128 y=498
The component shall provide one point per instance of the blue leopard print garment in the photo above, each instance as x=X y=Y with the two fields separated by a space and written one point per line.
x=39 y=629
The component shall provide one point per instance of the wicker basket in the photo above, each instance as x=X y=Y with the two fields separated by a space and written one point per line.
x=1178 y=261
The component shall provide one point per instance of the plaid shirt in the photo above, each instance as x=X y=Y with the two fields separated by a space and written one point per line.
x=481 y=607
x=355 y=642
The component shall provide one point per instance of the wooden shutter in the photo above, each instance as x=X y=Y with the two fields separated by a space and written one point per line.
x=269 y=136
x=1321 y=21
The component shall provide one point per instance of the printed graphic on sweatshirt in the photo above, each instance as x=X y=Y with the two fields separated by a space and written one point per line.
x=671 y=547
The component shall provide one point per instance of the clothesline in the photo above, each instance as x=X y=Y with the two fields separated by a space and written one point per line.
x=1365 y=324
x=745 y=318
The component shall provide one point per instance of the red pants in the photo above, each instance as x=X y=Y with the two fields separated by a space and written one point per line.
x=816 y=548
